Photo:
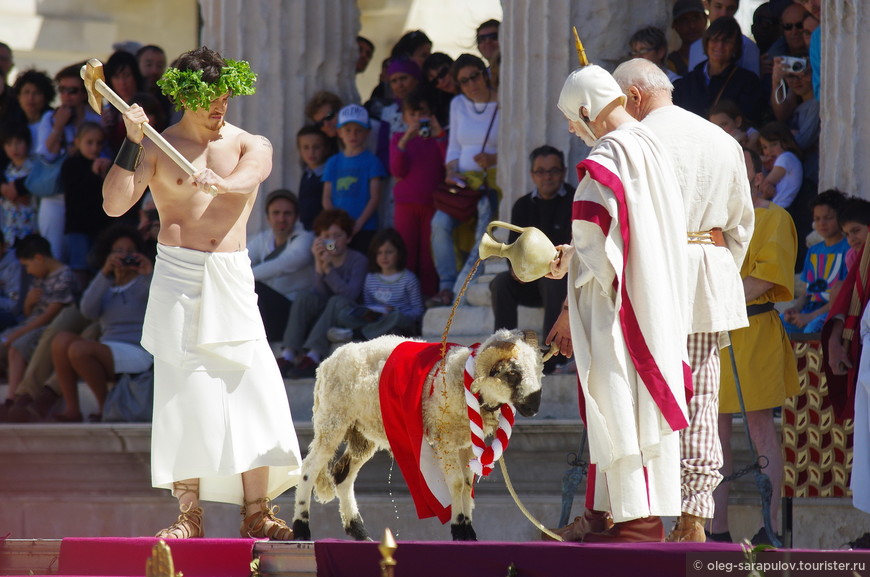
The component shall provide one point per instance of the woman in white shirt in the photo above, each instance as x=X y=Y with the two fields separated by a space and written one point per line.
x=471 y=162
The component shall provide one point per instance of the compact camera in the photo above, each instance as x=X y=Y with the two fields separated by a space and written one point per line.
x=130 y=260
x=425 y=130
x=329 y=245
x=793 y=64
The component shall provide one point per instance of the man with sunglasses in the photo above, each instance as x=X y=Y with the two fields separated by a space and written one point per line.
x=55 y=136
x=791 y=42
x=487 y=40
x=548 y=208
x=57 y=129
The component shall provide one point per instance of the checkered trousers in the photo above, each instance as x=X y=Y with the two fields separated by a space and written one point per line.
x=700 y=449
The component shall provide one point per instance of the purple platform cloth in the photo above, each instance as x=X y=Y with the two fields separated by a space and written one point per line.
x=337 y=558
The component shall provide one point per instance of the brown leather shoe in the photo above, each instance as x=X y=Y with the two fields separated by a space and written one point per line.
x=643 y=530
x=689 y=529
x=591 y=521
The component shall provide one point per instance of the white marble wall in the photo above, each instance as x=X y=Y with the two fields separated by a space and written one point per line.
x=296 y=47
x=845 y=138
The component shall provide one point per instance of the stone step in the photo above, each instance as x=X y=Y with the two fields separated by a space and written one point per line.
x=93 y=480
x=472 y=320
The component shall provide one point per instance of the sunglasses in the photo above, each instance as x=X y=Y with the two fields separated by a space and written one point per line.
x=324 y=120
x=793 y=26
x=640 y=52
x=69 y=90
x=484 y=37
x=548 y=172
x=470 y=78
x=442 y=73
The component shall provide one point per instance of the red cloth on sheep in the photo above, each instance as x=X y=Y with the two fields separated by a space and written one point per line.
x=401 y=396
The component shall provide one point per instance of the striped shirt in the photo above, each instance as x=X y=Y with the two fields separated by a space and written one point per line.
x=400 y=291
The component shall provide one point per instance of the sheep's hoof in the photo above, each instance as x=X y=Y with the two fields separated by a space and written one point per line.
x=463 y=532
x=301 y=530
x=356 y=529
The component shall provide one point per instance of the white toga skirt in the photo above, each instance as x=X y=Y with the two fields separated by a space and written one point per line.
x=220 y=407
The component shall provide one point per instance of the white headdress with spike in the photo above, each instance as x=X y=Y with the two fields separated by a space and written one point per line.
x=589 y=86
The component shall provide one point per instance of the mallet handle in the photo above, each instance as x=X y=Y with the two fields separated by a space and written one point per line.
x=149 y=131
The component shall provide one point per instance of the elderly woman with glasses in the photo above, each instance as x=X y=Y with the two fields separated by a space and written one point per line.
x=470 y=163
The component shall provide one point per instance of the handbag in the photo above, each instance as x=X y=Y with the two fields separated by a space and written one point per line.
x=457 y=202
x=44 y=178
x=131 y=400
x=460 y=202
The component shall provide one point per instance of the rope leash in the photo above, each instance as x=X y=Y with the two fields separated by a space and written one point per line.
x=529 y=516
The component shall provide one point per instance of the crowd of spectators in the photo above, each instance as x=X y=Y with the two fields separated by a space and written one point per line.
x=431 y=122
x=371 y=172
x=764 y=91
x=73 y=281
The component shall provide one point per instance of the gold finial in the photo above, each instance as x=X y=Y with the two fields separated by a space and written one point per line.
x=581 y=52
x=160 y=563
x=387 y=548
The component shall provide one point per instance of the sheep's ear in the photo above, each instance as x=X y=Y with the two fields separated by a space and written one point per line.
x=488 y=357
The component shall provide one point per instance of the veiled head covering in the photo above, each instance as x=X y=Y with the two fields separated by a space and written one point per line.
x=592 y=87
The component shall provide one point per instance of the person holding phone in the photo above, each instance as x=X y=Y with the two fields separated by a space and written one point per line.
x=417 y=164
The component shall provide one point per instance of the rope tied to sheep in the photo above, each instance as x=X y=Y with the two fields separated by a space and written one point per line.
x=485 y=455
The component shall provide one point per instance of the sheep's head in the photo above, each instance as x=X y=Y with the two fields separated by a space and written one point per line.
x=509 y=369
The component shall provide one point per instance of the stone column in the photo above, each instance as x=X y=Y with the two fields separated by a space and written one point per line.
x=845 y=70
x=296 y=47
x=537 y=55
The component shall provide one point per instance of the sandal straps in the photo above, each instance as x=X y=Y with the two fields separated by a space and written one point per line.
x=182 y=488
x=264 y=524
x=187 y=526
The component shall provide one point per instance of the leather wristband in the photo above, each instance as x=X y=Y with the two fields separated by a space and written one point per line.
x=129 y=156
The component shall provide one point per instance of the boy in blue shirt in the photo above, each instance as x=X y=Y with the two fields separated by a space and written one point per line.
x=352 y=178
x=824 y=267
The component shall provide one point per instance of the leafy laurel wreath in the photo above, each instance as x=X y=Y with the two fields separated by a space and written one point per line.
x=186 y=88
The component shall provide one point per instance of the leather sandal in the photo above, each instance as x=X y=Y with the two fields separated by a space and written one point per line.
x=263 y=524
x=189 y=523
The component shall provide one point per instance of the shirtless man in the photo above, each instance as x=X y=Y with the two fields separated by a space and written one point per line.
x=222 y=429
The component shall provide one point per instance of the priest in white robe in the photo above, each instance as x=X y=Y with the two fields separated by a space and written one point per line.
x=626 y=320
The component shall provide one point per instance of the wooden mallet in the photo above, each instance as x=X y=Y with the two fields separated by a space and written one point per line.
x=95 y=84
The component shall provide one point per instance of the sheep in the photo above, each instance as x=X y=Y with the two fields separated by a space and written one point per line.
x=347 y=409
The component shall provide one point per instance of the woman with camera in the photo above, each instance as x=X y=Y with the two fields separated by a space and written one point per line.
x=116 y=299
